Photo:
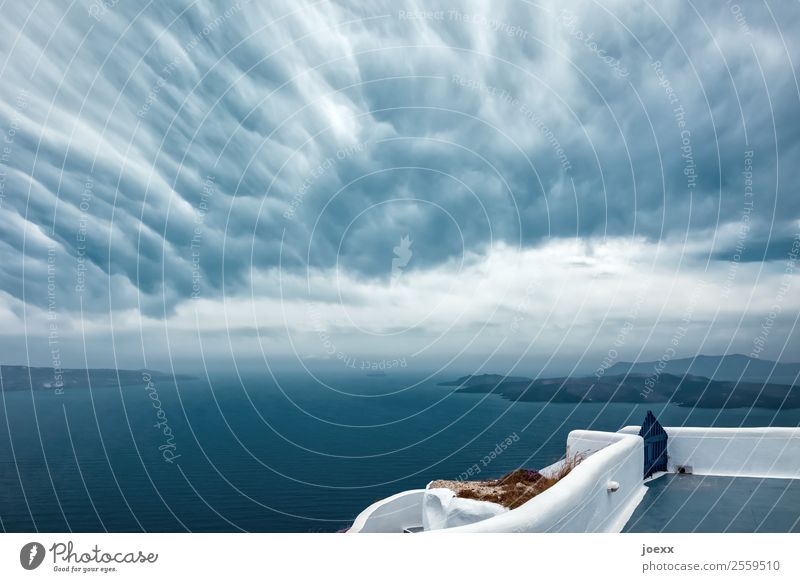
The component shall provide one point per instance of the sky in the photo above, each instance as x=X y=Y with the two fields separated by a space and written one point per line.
x=483 y=187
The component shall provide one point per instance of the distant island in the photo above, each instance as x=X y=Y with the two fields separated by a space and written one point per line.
x=19 y=378
x=645 y=382
x=732 y=368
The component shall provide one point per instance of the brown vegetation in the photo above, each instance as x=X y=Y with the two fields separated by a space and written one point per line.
x=512 y=489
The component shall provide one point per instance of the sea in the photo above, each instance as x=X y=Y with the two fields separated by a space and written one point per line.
x=276 y=452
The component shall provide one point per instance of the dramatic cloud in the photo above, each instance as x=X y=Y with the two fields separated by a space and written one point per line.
x=241 y=177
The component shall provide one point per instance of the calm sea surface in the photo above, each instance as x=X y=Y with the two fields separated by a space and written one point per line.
x=295 y=455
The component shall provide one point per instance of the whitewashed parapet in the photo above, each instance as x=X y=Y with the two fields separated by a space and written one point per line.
x=391 y=515
x=601 y=493
x=586 y=442
x=767 y=452
x=598 y=495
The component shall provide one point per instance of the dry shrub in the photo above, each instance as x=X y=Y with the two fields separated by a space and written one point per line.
x=512 y=489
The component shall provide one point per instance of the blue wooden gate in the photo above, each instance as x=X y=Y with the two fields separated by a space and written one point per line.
x=655 y=445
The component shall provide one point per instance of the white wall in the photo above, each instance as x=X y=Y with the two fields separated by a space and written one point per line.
x=442 y=509
x=391 y=514
x=742 y=452
x=587 y=442
x=581 y=502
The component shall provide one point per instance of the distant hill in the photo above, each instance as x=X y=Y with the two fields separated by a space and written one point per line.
x=724 y=368
x=18 y=378
x=686 y=390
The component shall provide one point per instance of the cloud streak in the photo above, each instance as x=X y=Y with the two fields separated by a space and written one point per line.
x=184 y=153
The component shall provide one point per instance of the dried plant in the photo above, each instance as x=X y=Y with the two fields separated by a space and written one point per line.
x=515 y=488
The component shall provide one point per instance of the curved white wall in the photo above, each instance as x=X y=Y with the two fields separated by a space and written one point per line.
x=738 y=452
x=581 y=501
x=588 y=442
x=442 y=509
x=391 y=514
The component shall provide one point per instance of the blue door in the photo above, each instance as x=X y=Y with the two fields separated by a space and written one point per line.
x=655 y=445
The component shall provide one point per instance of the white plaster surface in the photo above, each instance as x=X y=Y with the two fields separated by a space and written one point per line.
x=581 y=502
x=768 y=452
x=442 y=509
x=391 y=514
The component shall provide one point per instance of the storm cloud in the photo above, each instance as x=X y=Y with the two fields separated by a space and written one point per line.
x=180 y=155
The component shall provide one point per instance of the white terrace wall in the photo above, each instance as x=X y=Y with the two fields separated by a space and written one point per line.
x=588 y=442
x=391 y=514
x=581 y=501
x=741 y=452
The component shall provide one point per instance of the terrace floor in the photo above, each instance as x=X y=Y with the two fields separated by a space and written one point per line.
x=696 y=503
